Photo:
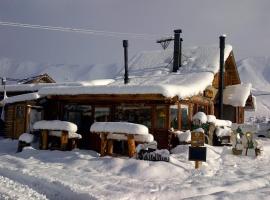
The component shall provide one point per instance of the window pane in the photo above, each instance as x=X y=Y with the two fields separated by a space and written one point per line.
x=174 y=116
x=184 y=117
x=134 y=114
x=19 y=112
x=102 y=114
x=161 y=116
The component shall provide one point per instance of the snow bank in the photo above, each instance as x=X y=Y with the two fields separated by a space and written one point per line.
x=138 y=138
x=119 y=127
x=236 y=95
x=26 y=137
x=22 y=97
x=55 y=125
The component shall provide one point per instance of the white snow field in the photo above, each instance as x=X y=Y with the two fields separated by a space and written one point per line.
x=82 y=174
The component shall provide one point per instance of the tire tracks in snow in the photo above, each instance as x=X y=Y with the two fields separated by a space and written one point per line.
x=52 y=190
x=10 y=189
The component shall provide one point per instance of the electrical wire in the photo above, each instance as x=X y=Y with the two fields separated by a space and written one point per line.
x=83 y=31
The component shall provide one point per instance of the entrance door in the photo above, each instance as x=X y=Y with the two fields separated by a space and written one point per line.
x=19 y=121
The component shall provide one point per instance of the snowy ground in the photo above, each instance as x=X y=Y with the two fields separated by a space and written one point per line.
x=81 y=174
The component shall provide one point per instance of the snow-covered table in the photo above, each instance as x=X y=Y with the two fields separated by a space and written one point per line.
x=63 y=129
x=131 y=132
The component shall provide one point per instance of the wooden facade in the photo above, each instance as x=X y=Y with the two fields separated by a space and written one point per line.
x=158 y=113
x=18 y=118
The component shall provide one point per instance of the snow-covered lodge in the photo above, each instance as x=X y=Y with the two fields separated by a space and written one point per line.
x=155 y=96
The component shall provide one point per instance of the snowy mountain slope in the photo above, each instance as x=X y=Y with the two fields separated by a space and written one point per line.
x=59 y=72
x=257 y=71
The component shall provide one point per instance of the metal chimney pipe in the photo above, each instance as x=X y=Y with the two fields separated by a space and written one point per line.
x=221 y=74
x=176 y=49
x=180 y=53
x=125 y=45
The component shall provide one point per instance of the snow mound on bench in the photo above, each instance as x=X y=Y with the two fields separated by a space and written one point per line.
x=119 y=127
x=55 y=125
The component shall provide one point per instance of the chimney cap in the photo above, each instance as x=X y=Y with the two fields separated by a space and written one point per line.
x=125 y=43
x=178 y=31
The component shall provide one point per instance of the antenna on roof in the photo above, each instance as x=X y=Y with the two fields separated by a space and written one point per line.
x=165 y=41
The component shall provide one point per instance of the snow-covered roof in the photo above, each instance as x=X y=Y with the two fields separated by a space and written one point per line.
x=22 y=97
x=37 y=86
x=150 y=73
x=119 y=127
x=236 y=95
x=55 y=125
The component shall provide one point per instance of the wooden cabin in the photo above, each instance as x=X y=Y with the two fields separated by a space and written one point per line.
x=161 y=100
x=21 y=112
x=20 y=108
x=154 y=96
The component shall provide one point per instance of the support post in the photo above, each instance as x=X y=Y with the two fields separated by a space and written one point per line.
x=110 y=147
x=103 y=148
x=44 y=139
x=64 y=140
x=131 y=145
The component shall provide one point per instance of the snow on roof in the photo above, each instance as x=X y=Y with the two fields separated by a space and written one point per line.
x=236 y=95
x=37 y=86
x=119 y=127
x=150 y=73
x=55 y=125
x=22 y=97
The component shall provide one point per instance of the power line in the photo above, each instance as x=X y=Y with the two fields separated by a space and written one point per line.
x=83 y=31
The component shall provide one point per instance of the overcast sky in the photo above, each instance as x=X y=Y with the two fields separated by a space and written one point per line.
x=246 y=23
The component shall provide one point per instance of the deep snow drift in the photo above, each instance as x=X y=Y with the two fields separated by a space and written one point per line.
x=81 y=174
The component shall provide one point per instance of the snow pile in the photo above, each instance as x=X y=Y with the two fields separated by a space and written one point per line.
x=221 y=132
x=119 y=127
x=55 y=125
x=236 y=95
x=22 y=97
x=201 y=117
x=220 y=122
x=26 y=137
x=211 y=119
x=183 y=136
x=70 y=134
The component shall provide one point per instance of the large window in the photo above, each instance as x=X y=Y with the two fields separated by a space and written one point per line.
x=81 y=115
x=174 y=116
x=161 y=117
x=184 y=117
x=102 y=114
x=139 y=114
